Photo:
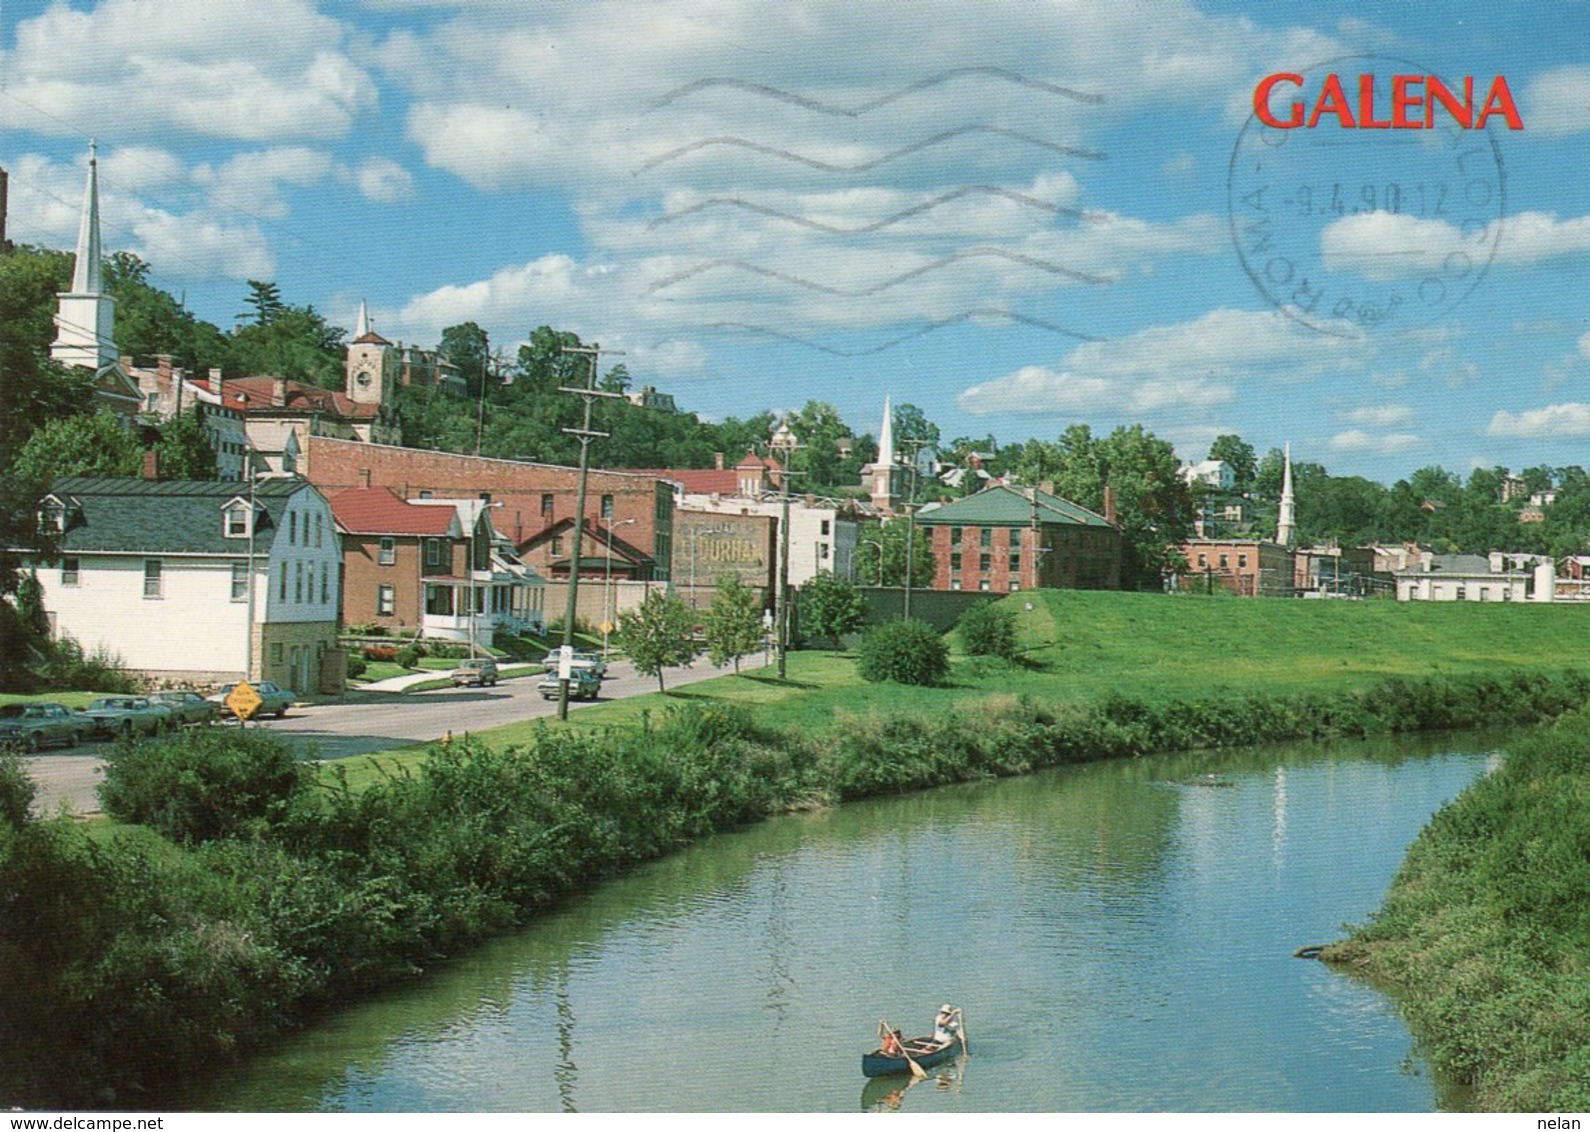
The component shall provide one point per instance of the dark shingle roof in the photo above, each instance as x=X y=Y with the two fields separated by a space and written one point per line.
x=1010 y=506
x=165 y=516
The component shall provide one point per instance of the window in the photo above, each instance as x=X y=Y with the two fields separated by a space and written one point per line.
x=385 y=601
x=822 y=551
x=1014 y=585
x=557 y=545
x=1015 y=560
x=1224 y=561
x=433 y=552
x=1507 y=594
x=1203 y=560
x=298 y=582
x=281 y=587
x=607 y=506
x=955 y=562
x=292 y=528
x=955 y=583
x=325 y=583
x=317 y=528
x=1242 y=562
x=425 y=495
x=825 y=526
x=237 y=521
x=983 y=585
x=439 y=601
x=546 y=503
x=276 y=652
x=152 y=578
x=68 y=571
x=388 y=552
x=955 y=536
x=986 y=537
x=1462 y=593
x=239 y=581
x=985 y=562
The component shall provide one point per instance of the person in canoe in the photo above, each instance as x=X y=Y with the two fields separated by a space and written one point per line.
x=893 y=1045
x=946 y=1024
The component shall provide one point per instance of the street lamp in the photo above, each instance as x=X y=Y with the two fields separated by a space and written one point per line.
x=607 y=585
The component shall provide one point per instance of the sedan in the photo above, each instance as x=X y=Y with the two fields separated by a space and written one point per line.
x=36 y=726
x=273 y=700
x=188 y=707
x=583 y=685
x=125 y=715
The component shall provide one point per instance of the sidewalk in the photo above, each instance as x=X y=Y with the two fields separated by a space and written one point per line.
x=408 y=680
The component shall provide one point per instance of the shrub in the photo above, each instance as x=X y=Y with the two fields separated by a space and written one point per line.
x=988 y=630
x=357 y=666
x=379 y=652
x=16 y=791
x=409 y=656
x=201 y=784
x=66 y=665
x=907 y=652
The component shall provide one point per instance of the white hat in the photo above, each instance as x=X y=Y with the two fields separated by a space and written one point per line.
x=946 y=1009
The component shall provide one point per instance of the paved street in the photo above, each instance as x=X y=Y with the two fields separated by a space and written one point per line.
x=367 y=721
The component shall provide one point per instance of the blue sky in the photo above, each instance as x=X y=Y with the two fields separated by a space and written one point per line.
x=1017 y=216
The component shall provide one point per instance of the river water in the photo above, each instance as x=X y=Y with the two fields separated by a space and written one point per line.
x=1119 y=935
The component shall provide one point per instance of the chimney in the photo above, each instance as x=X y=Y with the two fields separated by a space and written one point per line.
x=1047 y=487
x=811 y=500
x=279 y=390
x=1109 y=504
x=364 y=476
x=717 y=461
x=163 y=365
x=151 y=465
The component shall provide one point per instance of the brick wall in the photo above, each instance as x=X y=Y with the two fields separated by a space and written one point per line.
x=534 y=496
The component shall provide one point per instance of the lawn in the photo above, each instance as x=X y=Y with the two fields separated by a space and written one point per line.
x=1079 y=645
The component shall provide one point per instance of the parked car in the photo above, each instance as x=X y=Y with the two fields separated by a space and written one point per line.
x=125 y=715
x=583 y=685
x=36 y=726
x=482 y=670
x=591 y=661
x=188 y=707
x=274 y=700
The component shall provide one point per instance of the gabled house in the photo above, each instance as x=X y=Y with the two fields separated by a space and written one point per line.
x=431 y=568
x=197 y=581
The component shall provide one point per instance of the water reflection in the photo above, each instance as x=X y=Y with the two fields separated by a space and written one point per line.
x=1120 y=934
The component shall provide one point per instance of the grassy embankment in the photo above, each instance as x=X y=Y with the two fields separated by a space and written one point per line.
x=1486 y=929
x=1080 y=646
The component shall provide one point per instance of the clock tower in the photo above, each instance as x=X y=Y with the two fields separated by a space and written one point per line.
x=371 y=364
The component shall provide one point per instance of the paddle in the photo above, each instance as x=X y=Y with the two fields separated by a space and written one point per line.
x=883 y=1032
x=961 y=1030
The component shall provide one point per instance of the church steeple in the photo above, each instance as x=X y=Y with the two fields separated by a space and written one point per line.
x=1285 y=522
x=85 y=320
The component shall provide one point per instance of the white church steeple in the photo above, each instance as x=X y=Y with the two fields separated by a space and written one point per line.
x=1285 y=522
x=85 y=320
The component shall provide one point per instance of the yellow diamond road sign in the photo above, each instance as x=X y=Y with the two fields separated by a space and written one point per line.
x=243 y=700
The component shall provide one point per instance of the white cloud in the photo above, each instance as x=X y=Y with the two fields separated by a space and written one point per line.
x=382 y=180
x=217 y=68
x=1557 y=102
x=1381 y=246
x=1379 y=416
x=1553 y=422
x=1191 y=364
x=1389 y=444
x=251 y=182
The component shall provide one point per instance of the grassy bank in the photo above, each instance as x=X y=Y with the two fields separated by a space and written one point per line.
x=1486 y=929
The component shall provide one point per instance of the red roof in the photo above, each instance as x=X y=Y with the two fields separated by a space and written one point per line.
x=714 y=481
x=261 y=393
x=381 y=511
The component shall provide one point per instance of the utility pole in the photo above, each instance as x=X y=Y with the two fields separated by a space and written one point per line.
x=781 y=598
x=480 y=403
x=588 y=393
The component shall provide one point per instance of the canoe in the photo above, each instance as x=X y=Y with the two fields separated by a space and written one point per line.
x=878 y=1064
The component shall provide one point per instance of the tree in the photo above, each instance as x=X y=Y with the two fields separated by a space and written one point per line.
x=893 y=537
x=89 y=444
x=907 y=652
x=733 y=623
x=1239 y=457
x=657 y=635
x=264 y=303
x=290 y=341
x=183 y=451
x=912 y=426
x=830 y=607
x=466 y=346
x=151 y=321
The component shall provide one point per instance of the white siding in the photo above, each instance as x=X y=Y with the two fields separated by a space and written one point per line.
x=300 y=555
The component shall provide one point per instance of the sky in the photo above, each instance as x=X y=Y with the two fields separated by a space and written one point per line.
x=1017 y=216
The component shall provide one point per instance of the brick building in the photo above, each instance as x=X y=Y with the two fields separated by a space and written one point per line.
x=1248 y=567
x=631 y=513
x=1007 y=538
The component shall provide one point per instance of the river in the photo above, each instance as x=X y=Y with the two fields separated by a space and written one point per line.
x=1119 y=935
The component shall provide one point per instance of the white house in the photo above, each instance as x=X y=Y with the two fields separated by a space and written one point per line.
x=1212 y=473
x=197 y=581
x=1469 y=577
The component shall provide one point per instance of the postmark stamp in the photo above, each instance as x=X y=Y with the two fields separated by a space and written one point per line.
x=1368 y=196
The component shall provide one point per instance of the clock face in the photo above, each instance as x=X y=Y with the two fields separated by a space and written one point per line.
x=362 y=377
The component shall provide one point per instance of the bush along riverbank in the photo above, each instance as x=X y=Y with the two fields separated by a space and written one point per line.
x=250 y=894
x=1486 y=929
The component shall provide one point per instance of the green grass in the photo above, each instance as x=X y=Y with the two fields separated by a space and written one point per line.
x=1079 y=645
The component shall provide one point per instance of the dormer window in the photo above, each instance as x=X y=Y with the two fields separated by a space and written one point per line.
x=52 y=516
x=234 y=519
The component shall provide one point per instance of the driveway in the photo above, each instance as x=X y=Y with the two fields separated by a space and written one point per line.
x=362 y=722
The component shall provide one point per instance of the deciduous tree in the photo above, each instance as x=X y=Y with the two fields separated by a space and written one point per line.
x=657 y=635
x=733 y=623
x=830 y=607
